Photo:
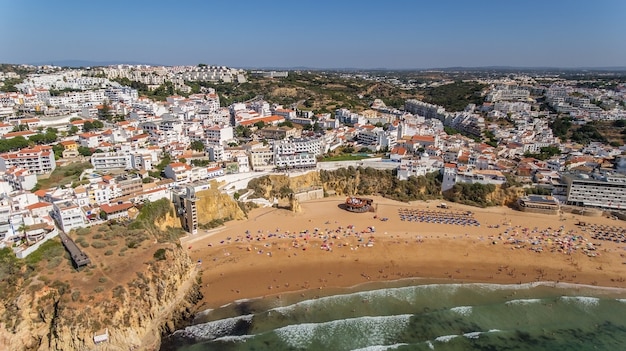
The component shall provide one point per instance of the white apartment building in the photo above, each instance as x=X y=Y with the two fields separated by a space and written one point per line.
x=111 y=160
x=216 y=152
x=301 y=161
x=219 y=134
x=345 y=116
x=69 y=215
x=296 y=146
x=418 y=167
x=243 y=162
x=508 y=92
x=486 y=176
x=92 y=140
x=262 y=159
x=424 y=109
x=179 y=172
x=596 y=190
x=377 y=138
x=19 y=178
x=37 y=160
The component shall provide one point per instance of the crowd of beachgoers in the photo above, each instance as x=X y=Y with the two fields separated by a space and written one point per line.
x=535 y=239
x=547 y=239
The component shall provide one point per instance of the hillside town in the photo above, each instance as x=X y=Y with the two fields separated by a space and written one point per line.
x=124 y=148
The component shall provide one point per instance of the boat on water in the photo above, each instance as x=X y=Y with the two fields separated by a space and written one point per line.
x=358 y=204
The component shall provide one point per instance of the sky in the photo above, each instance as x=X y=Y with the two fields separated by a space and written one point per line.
x=394 y=34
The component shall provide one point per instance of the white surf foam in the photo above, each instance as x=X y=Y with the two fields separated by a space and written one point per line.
x=234 y=338
x=445 y=338
x=583 y=300
x=472 y=335
x=462 y=310
x=368 y=330
x=380 y=347
x=214 y=329
x=522 y=302
x=406 y=294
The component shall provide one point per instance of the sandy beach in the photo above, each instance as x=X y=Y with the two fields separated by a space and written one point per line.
x=276 y=251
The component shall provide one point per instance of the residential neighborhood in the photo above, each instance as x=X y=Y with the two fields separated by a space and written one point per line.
x=133 y=149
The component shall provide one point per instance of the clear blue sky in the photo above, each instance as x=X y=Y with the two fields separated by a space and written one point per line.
x=321 y=34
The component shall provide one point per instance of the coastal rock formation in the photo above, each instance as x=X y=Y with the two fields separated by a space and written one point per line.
x=57 y=317
x=281 y=186
x=169 y=220
x=505 y=196
x=213 y=204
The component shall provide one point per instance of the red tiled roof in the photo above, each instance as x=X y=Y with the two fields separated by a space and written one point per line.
x=37 y=205
x=116 y=208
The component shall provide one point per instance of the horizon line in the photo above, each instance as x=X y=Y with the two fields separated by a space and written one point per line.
x=86 y=63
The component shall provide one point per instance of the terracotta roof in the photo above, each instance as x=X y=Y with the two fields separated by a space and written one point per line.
x=425 y=138
x=116 y=208
x=37 y=205
x=268 y=119
x=41 y=192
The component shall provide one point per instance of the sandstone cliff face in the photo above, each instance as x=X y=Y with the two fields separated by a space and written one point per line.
x=272 y=185
x=135 y=314
x=170 y=220
x=505 y=196
x=213 y=204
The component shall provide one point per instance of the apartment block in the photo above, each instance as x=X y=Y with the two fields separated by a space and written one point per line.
x=111 y=160
x=607 y=191
x=37 y=160
x=69 y=215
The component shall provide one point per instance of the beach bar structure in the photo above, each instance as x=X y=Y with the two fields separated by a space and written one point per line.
x=539 y=204
x=79 y=258
x=358 y=204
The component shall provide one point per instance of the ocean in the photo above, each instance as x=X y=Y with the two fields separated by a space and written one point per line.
x=416 y=315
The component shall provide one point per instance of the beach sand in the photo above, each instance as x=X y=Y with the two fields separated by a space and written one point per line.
x=276 y=251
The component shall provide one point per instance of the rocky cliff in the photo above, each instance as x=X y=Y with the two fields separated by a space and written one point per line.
x=213 y=204
x=282 y=186
x=64 y=315
x=505 y=196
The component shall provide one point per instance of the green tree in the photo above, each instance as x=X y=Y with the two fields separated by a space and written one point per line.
x=241 y=131
x=105 y=113
x=16 y=143
x=20 y=128
x=197 y=145
x=58 y=151
x=84 y=151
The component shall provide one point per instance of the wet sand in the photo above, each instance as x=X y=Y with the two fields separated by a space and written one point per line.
x=276 y=251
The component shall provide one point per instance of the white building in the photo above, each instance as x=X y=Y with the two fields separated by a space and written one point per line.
x=418 y=167
x=262 y=159
x=69 y=215
x=111 y=160
x=301 y=161
x=606 y=191
x=295 y=146
x=179 y=172
x=219 y=134
x=37 y=160
x=19 y=178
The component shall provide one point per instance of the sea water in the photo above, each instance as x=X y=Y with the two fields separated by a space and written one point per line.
x=418 y=316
